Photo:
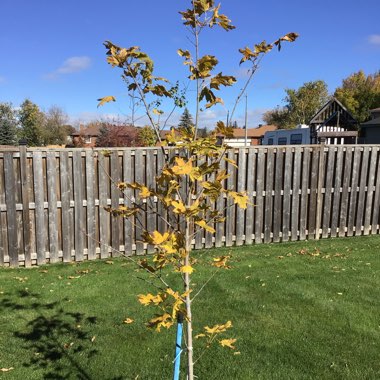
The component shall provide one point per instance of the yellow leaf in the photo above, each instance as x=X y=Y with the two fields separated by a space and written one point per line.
x=106 y=99
x=121 y=186
x=222 y=175
x=182 y=167
x=179 y=207
x=144 y=193
x=156 y=238
x=221 y=262
x=164 y=320
x=128 y=321
x=239 y=198
x=218 y=328
x=93 y=339
x=6 y=369
x=157 y=111
x=200 y=336
x=186 y=269
x=228 y=343
x=204 y=225
x=232 y=162
x=147 y=299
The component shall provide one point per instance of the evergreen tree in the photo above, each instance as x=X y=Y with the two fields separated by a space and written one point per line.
x=31 y=120
x=8 y=124
x=186 y=120
x=146 y=136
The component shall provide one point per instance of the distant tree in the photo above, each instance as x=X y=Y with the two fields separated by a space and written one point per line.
x=203 y=132
x=278 y=116
x=31 y=123
x=117 y=135
x=147 y=136
x=186 y=120
x=8 y=124
x=359 y=93
x=300 y=105
x=55 y=129
x=235 y=125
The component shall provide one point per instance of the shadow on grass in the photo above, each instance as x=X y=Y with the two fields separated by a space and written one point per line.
x=58 y=341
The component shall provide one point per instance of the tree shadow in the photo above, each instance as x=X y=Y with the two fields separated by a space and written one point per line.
x=59 y=342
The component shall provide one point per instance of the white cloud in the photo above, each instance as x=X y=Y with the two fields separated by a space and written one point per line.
x=70 y=66
x=374 y=39
x=88 y=116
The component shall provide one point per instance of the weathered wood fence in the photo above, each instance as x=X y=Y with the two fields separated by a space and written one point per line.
x=52 y=201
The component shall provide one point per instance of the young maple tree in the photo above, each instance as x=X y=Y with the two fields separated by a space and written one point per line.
x=193 y=177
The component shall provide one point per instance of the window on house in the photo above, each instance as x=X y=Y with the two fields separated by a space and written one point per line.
x=296 y=139
x=270 y=141
x=87 y=140
x=282 y=141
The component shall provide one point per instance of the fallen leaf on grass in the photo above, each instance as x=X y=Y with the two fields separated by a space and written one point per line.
x=6 y=369
x=128 y=321
x=84 y=271
x=43 y=271
x=68 y=345
x=109 y=262
x=93 y=339
x=72 y=277
x=21 y=279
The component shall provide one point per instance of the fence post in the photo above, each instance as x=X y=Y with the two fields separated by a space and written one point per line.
x=25 y=205
x=321 y=178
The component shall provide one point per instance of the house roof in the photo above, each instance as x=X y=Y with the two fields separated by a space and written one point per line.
x=372 y=122
x=253 y=132
x=329 y=113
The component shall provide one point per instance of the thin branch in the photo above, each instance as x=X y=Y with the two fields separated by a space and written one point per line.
x=130 y=259
x=200 y=290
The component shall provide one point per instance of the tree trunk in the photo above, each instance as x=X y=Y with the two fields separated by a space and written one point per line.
x=190 y=360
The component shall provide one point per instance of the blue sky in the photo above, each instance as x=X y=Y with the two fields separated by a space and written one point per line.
x=52 y=51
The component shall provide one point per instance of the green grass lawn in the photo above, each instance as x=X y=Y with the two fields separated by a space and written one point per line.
x=304 y=310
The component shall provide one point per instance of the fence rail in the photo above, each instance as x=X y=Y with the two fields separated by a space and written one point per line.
x=52 y=200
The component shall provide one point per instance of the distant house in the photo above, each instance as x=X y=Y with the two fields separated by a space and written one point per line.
x=370 y=130
x=333 y=124
x=253 y=135
x=119 y=135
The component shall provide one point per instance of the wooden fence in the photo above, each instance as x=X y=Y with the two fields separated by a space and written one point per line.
x=52 y=201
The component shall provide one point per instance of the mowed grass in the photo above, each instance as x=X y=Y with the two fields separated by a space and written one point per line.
x=303 y=310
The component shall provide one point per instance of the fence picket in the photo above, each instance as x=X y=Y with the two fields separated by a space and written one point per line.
x=241 y=186
x=10 y=200
x=39 y=210
x=345 y=192
x=295 y=194
x=286 y=199
x=362 y=192
x=51 y=167
x=251 y=178
x=304 y=192
x=259 y=203
x=268 y=213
